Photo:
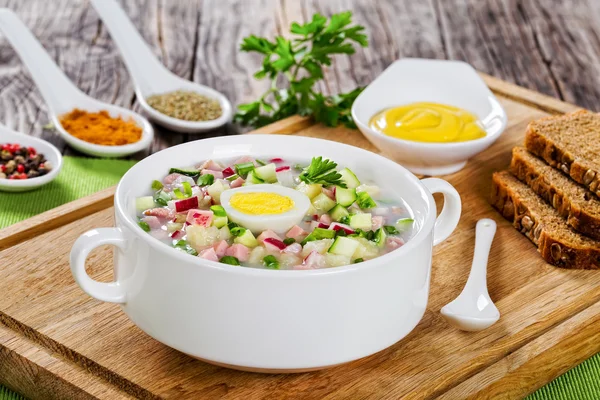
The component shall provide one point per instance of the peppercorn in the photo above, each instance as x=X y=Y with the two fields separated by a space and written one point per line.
x=20 y=162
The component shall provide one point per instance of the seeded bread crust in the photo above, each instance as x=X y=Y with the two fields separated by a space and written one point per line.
x=573 y=202
x=571 y=143
x=558 y=243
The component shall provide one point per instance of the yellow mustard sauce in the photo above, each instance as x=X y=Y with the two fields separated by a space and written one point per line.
x=428 y=122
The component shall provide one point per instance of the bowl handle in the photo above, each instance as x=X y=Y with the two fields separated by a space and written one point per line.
x=111 y=292
x=448 y=219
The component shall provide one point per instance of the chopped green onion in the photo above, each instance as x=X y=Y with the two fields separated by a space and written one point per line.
x=219 y=211
x=271 y=262
x=191 y=173
x=232 y=177
x=232 y=225
x=364 y=200
x=404 y=223
x=318 y=234
x=179 y=194
x=184 y=246
x=340 y=232
x=390 y=230
x=229 y=260
x=187 y=189
x=161 y=198
x=358 y=260
x=299 y=167
x=207 y=179
x=261 y=162
x=156 y=185
x=243 y=169
x=237 y=231
x=288 y=241
x=345 y=220
x=144 y=225
x=371 y=235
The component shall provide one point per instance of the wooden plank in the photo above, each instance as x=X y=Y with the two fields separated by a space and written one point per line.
x=544 y=309
x=36 y=373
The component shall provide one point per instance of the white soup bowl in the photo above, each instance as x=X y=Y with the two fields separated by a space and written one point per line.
x=270 y=320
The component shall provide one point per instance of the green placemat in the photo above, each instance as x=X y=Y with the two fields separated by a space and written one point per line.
x=83 y=176
x=79 y=177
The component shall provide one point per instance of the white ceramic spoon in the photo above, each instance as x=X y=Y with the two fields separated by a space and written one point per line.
x=473 y=309
x=41 y=146
x=61 y=95
x=150 y=76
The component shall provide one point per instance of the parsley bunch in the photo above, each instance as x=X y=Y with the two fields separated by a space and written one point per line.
x=300 y=61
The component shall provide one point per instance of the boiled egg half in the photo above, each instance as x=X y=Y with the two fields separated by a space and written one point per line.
x=262 y=207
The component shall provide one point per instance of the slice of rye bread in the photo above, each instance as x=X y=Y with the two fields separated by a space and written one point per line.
x=558 y=243
x=573 y=202
x=571 y=143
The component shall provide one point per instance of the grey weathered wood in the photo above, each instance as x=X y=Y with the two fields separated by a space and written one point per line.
x=546 y=45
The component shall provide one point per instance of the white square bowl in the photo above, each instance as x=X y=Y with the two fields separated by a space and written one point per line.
x=447 y=82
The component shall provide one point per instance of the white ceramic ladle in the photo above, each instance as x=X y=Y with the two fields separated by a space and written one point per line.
x=473 y=310
x=62 y=96
x=150 y=76
x=41 y=146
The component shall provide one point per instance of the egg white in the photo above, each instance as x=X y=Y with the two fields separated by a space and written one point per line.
x=279 y=223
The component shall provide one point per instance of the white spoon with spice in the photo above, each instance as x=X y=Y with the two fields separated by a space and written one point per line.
x=62 y=96
x=152 y=78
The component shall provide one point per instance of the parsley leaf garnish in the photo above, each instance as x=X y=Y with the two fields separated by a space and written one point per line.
x=300 y=62
x=322 y=171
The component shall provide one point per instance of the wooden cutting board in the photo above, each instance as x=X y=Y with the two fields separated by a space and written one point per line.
x=57 y=342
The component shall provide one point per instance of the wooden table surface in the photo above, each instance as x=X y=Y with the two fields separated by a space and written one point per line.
x=551 y=46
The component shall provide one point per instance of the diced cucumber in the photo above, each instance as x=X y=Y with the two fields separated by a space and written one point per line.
x=311 y=191
x=343 y=246
x=338 y=212
x=224 y=233
x=193 y=173
x=174 y=226
x=323 y=203
x=144 y=203
x=311 y=210
x=252 y=179
x=404 y=224
x=365 y=201
x=247 y=239
x=318 y=234
x=220 y=222
x=216 y=189
x=345 y=197
x=373 y=190
x=380 y=237
x=266 y=173
x=349 y=178
x=361 y=221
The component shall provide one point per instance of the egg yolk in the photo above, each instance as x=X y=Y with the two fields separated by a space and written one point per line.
x=256 y=203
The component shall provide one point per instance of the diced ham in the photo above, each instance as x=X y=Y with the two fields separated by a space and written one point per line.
x=186 y=204
x=216 y=174
x=199 y=217
x=272 y=244
x=221 y=248
x=160 y=213
x=238 y=251
x=237 y=183
x=152 y=221
x=294 y=248
x=268 y=234
x=329 y=193
x=398 y=210
x=209 y=254
x=296 y=233
x=159 y=234
x=325 y=219
x=393 y=243
x=314 y=260
x=169 y=179
x=210 y=164
x=376 y=222
x=336 y=226
x=244 y=159
x=301 y=267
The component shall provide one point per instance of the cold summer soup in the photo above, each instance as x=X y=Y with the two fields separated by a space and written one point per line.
x=276 y=214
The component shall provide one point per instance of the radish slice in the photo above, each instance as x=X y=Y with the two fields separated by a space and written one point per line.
x=276 y=160
x=284 y=168
x=336 y=226
x=275 y=242
x=186 y=204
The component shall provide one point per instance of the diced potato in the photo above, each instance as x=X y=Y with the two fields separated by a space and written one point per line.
x=174 y=226
x=199 y=236
x=289 y=260
x=256 y=255
x=321 y=246
x=336 y=260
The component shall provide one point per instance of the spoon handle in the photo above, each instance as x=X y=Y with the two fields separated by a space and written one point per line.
x=484 y=235
x=143 y=66
x=56 y=89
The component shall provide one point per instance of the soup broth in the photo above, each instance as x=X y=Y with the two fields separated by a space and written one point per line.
x=276 y=214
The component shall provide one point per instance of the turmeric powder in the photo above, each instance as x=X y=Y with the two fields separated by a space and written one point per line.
x=100 y=128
